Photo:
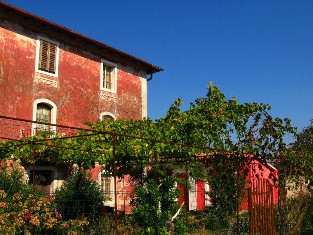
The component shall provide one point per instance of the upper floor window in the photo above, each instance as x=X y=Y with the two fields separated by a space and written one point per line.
x=47 y=57
x=108 y=76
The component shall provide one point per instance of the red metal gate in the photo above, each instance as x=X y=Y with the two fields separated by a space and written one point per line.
x=261 y=207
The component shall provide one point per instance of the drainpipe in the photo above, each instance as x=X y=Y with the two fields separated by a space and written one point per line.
x=115 y=184
x=150 y=78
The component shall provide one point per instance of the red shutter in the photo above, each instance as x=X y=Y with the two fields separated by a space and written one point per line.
x=200 y=195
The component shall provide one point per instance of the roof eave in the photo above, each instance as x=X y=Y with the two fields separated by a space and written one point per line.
x=150 y=68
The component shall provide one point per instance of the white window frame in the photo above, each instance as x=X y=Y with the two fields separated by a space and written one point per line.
x=207 y=197
x=106 y=114
x=114 y=73
x=111 y=200
x=192 y=195
x=39 y=38
x=53 y=113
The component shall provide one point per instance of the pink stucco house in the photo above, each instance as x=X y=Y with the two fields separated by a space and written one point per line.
x=59 y=77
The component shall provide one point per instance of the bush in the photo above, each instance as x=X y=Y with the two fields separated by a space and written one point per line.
x=23 y=210
x=216 y=218
x=79 y=196
x=13 y=179
x=155 y=202
x=293 y=214
x=33 y=216
x=243 y=225
x=26 y=210
x=307 y=223
x=13 y=183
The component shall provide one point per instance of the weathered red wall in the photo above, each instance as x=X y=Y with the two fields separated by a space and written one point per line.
x=77 y=96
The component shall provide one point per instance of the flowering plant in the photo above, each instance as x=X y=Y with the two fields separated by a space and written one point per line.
x=25 y=211
x=33 y=216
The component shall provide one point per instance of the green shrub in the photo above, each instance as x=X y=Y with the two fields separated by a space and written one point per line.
x=293 y=214
x=243 y=226
x=180 y=226
x=13 y=179
x=216 y=218
x=155 y=203
x=307 y=223
x=23 y=209
x=26 y=210
x=79 y=196
x=33 y=216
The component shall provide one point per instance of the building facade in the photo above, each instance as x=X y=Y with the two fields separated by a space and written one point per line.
x=52 y=75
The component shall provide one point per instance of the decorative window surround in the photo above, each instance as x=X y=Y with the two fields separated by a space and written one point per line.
x=41 y=79
x=53 y=113
x=108 y=76
x=51 y=58
x=106 y=114
x=107 y=185
x=104 y=95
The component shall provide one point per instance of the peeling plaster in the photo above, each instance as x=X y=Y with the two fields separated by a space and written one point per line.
x=77 y=94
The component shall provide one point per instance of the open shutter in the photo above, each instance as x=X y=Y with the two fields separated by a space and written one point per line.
x=200 y=194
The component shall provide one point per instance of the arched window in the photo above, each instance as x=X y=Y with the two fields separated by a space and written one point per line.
x=106 y=116
x=43 y=114
x=44 y=111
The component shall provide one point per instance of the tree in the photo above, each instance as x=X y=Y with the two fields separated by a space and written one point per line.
x=154 y=201
x=79 y=196
x=295 y=166
x=303 y=153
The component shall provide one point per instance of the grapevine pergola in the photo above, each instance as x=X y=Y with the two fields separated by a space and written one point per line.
x=213 y=129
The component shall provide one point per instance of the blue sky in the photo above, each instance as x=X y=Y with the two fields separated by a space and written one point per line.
x=257 y=51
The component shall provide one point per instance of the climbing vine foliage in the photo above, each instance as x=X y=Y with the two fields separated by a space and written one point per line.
x=213 y=125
